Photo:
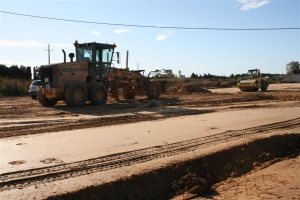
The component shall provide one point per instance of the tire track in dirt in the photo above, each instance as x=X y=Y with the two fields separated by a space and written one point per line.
x=38 y=126
x=25 y=178
x=64 y=121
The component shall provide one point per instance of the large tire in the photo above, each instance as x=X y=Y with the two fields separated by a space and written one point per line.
x=153 y=90
x=98 y=94
x=76 y=94
x=128 y=92
x=43 y=100
x=34 y=97
x=264 y=85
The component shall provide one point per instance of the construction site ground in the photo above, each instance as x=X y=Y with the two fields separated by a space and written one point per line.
x=192 y=143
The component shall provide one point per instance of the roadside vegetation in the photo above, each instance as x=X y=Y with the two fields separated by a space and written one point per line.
x=14 y=80
x=13 y=87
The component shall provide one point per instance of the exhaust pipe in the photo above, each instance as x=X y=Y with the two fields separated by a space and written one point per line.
x=127 y=54
x=64 y=55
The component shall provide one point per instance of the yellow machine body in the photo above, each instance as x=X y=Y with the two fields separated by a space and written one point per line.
x=254 y=82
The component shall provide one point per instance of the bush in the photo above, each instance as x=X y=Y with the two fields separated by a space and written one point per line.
x=13 y=87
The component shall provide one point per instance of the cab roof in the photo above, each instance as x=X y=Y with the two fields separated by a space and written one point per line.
x=95 y=44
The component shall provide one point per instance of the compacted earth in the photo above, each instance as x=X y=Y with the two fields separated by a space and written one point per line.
x=222 y=163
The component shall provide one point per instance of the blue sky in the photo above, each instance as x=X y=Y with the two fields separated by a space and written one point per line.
x=24 y=40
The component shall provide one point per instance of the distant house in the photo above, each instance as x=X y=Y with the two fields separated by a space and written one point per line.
x=166 y=73
x=180 y=75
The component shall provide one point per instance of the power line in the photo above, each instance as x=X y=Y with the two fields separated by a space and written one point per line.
x=147 y=26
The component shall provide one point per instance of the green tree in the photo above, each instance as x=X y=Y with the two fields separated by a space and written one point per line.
x=4 y=71
x=292 y=68
x=14 y=71
x=194 y=75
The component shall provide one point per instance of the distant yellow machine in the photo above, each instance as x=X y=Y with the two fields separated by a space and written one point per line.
x=254 y=82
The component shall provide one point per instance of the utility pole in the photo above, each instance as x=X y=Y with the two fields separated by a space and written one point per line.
x=49 y=53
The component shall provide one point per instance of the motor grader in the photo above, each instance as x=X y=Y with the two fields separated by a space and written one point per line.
x=92 y=77
x=254 y=82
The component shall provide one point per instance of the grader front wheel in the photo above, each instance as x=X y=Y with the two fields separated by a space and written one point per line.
x=43 y=100
x=153 y=90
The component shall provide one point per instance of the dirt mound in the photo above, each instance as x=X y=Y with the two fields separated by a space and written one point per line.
x=187 y=89
x=292 y=79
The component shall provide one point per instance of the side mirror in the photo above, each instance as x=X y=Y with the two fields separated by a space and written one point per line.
x=118 y=57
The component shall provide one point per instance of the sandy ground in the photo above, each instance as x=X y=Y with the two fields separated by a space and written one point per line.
x=32 y=137
x=278 y=181
x=71 y=146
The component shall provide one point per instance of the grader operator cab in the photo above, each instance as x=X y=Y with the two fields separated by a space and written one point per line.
x=91 y=77
x=254 y=82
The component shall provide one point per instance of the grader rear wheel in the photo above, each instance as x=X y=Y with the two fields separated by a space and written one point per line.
x=76 y=94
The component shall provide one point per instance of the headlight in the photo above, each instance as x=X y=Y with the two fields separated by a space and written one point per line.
x=48 y=87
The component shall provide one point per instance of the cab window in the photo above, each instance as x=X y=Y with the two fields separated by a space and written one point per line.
x=84 y=54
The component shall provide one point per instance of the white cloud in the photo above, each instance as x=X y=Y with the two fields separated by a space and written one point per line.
x=161 y=37
x=29 y=43
x=164 y=35
x=252 y=4
x=95 y=33
x=122 y=30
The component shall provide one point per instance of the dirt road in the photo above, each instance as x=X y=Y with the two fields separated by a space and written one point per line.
x=54 y=148
x=23 y=116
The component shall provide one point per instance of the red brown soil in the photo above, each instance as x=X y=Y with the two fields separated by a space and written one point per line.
x=198 y=175
x=187 y=89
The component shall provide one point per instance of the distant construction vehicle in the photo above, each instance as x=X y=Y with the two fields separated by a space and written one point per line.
x=91 y=77
x=254 y=82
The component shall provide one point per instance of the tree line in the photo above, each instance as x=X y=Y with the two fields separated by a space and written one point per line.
x=16 y=72
x=291 y=68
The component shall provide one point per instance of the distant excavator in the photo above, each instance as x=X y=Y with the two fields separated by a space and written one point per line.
x=254 y=82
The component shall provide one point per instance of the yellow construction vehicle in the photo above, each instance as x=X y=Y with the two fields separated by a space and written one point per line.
x=92 y=77
x=254 y=82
